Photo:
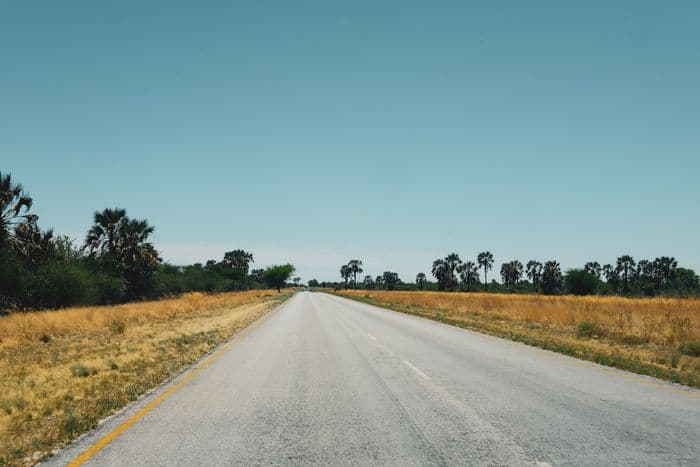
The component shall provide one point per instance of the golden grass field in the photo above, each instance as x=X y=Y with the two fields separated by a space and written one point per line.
x=643 y=335
x=63 y=371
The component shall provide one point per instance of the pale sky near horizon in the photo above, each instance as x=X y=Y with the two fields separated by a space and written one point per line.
x=394 y=132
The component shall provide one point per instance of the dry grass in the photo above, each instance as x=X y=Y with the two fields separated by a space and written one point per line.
x=642 y=335
x=62 y=371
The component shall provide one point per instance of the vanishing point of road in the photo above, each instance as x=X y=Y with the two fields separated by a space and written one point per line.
x=330 y=381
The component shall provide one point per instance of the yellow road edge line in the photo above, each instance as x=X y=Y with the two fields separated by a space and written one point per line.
x=109 y=437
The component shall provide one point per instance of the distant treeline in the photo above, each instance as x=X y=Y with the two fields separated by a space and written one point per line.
x=645 y=278
x=116 y=263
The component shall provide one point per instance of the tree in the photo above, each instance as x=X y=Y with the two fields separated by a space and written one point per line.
x=469 y=273
x=421 y=280
x=238 y=260
x=355 y=266
x=625 y=267
x=313 y=283
x=369 y=282
x=257 y=275
x=593 y=267
x=551 y=278
x=345 y=273
x=612 y=277
x=534 y=272
x=277 y=275
x=665 y=268
x=296 y=281
x=511 y=273
x=441 y=273
x=14 y=209
x=379 y=282
x=120 y=245
x=580 y=282
x=485 y=260
x=391 y=280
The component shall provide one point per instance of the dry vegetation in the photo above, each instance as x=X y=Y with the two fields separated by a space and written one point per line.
x=62 y=371
x=655 y=336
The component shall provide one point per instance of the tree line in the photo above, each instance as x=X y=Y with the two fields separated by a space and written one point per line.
x=661 y=276
x=115 y=263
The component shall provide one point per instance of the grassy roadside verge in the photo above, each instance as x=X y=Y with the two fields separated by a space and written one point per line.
x=586 y=334
x=63 y=371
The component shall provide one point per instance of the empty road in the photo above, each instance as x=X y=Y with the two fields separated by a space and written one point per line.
x=325 y=380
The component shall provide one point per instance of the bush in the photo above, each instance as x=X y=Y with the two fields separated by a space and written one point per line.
x=580 y=282
x=57 y=285
x=691 y=348
x=587 y=329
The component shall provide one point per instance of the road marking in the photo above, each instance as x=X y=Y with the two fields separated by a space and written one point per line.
x=109 y=437
x=543 y=464
x=413 y=367
x=371 y=337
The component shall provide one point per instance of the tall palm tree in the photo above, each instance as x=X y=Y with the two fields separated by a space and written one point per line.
x=452 y=261
x=355 y=266
x=534 y=272
x=666 y=268
x=103 y=236
x=469 y=273
x=14 y=208
x=345 y=273
x=625 y=266
x=485 y=260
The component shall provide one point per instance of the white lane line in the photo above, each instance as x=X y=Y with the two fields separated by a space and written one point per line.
x=371 y=337
x=412 y=367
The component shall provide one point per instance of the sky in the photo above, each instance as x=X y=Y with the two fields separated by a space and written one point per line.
x=393 y=132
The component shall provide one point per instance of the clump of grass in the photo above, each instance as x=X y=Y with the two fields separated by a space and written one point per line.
x=588 y=330
x=81 y=371
x=691 y=348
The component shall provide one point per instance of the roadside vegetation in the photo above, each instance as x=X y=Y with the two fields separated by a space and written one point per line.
x=115 y=262
x=62 y=371
x=653 y=336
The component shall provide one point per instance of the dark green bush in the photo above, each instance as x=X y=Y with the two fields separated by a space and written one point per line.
x=691 y=348
x=580 y=282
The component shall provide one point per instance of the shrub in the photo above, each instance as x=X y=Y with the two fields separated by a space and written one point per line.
x=580 y=282
x=691 y=348
x=587 y=329
x=81 y=371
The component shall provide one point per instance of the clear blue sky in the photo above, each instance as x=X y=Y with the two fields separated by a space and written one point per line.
x=394 y=132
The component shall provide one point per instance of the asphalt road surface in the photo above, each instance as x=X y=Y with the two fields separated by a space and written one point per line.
x=325 y=380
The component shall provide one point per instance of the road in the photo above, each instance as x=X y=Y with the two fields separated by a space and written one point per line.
x=325 y=380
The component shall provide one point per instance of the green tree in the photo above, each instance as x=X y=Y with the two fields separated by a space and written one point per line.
x=551 y=278
x=511 y=273
x=313 y=283
x=485 y=260
x=625 y=268
x=368 y=282
x=421 y=280
x=580 y=282
x=391 y=280
x=14 y=208
x=238 y=260
x=346 y=274
x=276 y=276
x=593 y=267
x=355 y=266
x=534 y=273
x=379 y=282
x=469 y=273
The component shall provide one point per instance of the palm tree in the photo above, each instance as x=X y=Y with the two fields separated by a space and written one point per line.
x=345 y=273
x=452 y=261
x=14 y=208
x=469 y=273
x=666 y=268
x=534 y=272
x=485 y=260
x=511 y=273
x=356 y=268
x=551 y=277
x=239 y=260
x=421 y=280
x=103 y=236
x=440 y=272
x=625 y=265
x=369 y=282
